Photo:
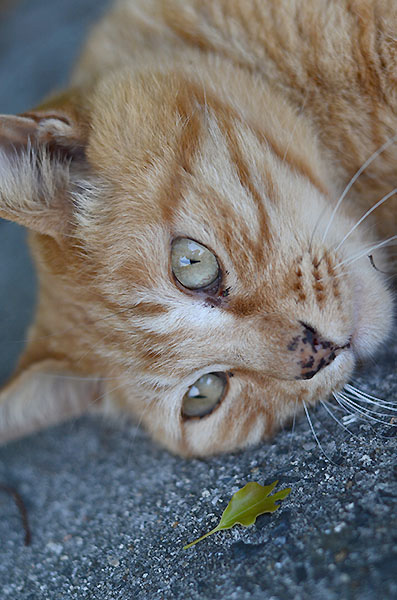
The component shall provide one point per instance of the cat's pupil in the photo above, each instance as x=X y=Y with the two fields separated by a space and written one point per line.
x=204 y=395
x=193 y=265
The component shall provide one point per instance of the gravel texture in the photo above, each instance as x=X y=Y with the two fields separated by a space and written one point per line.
x=110 y=511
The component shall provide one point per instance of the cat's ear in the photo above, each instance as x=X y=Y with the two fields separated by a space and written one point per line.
x=44 y=394
x=42 y=154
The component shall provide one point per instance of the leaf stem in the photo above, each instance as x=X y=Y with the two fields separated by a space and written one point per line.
x=217 y=528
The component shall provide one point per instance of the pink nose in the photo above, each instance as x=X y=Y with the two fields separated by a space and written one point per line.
x=313 y=352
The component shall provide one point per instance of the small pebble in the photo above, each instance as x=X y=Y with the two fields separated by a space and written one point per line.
x=54 y=547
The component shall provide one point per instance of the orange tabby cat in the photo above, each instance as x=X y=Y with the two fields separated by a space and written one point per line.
x=198 y=260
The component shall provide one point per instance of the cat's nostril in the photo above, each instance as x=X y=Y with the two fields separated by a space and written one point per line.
x=313 y=352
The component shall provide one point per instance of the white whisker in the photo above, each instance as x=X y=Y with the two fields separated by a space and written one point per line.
x=315 y=435
x=293 y=423
x=347 y=410
x=352 y=181
x=337 y=420
x=315 y=228
x=107 y=392
x=357 y=417
x=352 y=259
x=336 y=407
x=355 y=402
x=364 y=412
x=381 y=201
x=348 y=417
x=368 y=398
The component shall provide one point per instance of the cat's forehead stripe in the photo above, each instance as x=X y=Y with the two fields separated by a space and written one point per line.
x=246 y=181
x=186 y=147
x=228 y=115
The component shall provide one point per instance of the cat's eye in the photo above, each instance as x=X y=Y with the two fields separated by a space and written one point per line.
x=204 y=395
x=193 y=265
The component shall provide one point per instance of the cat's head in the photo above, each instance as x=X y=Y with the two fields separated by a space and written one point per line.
x=185 y=258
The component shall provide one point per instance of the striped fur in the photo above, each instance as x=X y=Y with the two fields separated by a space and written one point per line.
x=237 y=123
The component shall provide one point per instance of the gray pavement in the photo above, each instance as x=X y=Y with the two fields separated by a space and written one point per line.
x=110 y=511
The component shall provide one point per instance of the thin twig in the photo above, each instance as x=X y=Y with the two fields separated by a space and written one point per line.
x=22 y=510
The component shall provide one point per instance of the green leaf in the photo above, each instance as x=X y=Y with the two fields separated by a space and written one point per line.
x=246 y=505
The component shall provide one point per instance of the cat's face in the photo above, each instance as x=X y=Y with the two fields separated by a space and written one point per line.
x=216 y=303
x=207 y=176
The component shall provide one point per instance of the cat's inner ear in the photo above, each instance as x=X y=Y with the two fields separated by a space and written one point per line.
x=42 y=155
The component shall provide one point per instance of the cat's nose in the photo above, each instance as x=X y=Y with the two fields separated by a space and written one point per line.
x=313 y=352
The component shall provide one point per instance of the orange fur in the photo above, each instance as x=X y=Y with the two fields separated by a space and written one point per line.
x=238 y=124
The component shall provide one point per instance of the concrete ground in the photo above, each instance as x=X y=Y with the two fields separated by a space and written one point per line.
x=110 y=511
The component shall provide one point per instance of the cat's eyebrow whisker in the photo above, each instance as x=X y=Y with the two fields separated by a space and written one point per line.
x=315 y=435
x=329 y=411
x=381 y=201
x=352 y=181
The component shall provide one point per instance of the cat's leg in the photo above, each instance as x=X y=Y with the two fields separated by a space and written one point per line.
x=44 y=394
x=41 y=159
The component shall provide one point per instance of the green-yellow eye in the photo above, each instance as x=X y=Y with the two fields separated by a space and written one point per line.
x=193 y=265
x=204 y=395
